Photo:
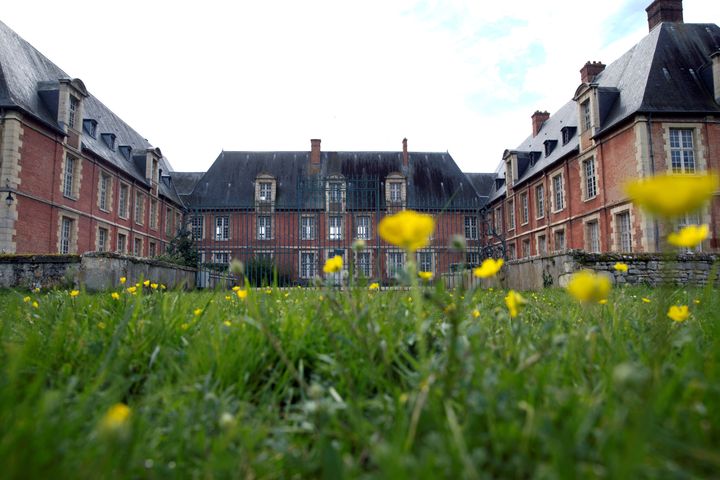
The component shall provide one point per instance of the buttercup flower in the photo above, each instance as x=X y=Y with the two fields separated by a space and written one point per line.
x=425 y=275
x=587 y=286
x=514 y=302
x=197 y=312
x=74 y=293
x=645 y=300
x=678 y=313
x=154 y=286
x=333 y=265
x=672 y=195
x=621 y=267
x=241 y=294
x=115 y=296
x=123 y=280
x=235 y=288
x=476 y=313
x=407 y=229
x=115 y=419
x=35 y=304
x=27 y=299
x=488 y=268
x=132 y=289
x=374 y=286
x=146 y=283
x=689 y=236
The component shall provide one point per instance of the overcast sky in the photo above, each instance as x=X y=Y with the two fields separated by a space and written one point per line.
x=195 y=78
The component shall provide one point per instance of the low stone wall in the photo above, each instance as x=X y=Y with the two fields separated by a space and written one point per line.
x=555 y=270
x=93 y=271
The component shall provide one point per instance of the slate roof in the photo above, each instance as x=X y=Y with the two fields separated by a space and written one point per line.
x=433 y=180
x=23 y=69
x=483 y=183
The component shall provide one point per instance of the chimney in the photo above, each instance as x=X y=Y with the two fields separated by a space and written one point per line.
x=590 y=70
x=538 y=118
x=405 y=153
x=664 y=11
x=315 y=151
x=716 y=74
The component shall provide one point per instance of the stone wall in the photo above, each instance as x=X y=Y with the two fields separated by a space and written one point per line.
x=92 y=271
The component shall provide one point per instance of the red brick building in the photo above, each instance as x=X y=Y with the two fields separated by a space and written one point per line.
x=74 y=176
x=654 y=110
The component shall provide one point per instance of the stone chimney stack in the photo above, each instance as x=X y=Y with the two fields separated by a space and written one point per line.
x=590 y=70
x=315 y=152
x=405 y=153
x=538 y=118
x=664 y=11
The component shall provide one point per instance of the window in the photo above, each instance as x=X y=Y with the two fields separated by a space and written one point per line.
x=586 y=118
x=168 y=221
x=590 y=180
x=624 y=230
x=66 y=232
x=121 y=242
x=524 y=208
x=265 y=194
x=307 y=264
x=220 y=257
x=123 y=200
x=178 y=221
x=472 y=259
x=104 y=192
x=137 y=251
x=509 y=173
x=74 y=104
x=549 y=146
x=155 y=171
x=558 y=193
x=153 y=249
x=425 y=262
x=526 y=247
x=264 y=227
x=102 y=239
x=362 y=227
x=396 y=262
x=395 y=192
x=682 y=153
x=511 y=251
x=592 y=232
x=511 y=214
x=69 y=180
x=559 y=240
x=336 y=227
x=222 y=228
x=498 y=220
x=139 y=208
x=197 y=227
x=307 y=228
x=471 y=231
x=567 y=134
x=364 y=264
x=335 y=192
x=153 y=214
x=540 y=201
x=541 y=245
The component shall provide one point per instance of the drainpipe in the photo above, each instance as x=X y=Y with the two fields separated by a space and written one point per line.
x=656 y=228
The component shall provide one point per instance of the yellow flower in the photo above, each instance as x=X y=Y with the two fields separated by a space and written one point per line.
x=489 y=268
x=672 y=195
x=146 y=283
x=621 y=267
x=228 y=297
x=123 y=280
x=154 y=286
x=407 y=229
x=476 y=313
x=689 y=236
x=227 y=323
x=27 y=299
x=115 y=296
x=374 y=286
x=197 y=312
x=333 y=264
x=101 y=325
x=184 y=326
x=587 y=286
x=603 y=301
x=645 y=300
x=132 y=289
x=115 y=419
x=36 y=290
x=162 y=287
x=696 y=302
x=241 y=294
x=425 y=275
x=74 y=293
x=514 y=302
x=37 y=305
x=679 y=313
x=235 y=288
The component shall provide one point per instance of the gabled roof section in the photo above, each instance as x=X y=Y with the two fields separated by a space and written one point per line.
x=483 y=183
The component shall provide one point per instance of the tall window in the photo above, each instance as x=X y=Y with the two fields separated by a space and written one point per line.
x=123 y=200
x=265 y=191
x=137 y=251
x=682 y=152
x=558 y=192
x=69 y=180
x=396 y=261
x=104 y=192
x=197 y=226
x=362 y=227
x=335 y=193
x=524 y=208
x=592 y=230
x=139 y=208
x=364 y=264
x=624 y=232
x=472 y=259
x=102 y=239
x=540 y=201
x=395 y=192
x=307 y=264
x=222 y=228
x=153 y=214
x=221 y=257
x=586 y=118
x=168 y=221
x=121 y=243
x=541 y=244
x=336 y=230
x=74 y=104
x=511 y=214
x=559 y=240
x=526 y=247
x=425 y=262
x=66 y=232
x=152 y=249
x=498 y=220
x=471 y=231
x=590 y=180
x=264 y=227
x=307 y=228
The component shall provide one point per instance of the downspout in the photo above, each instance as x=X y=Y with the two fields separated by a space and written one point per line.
x=656 y=228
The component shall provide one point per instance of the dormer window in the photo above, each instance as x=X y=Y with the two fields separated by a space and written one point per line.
x=534 y=157
x=90 y=126
x=395 y=189
x=335 y=192
x=586 y=116
x=549 y=147
x=74 y=107
x=265 y=192
x=155 y=171
x=126 y=151
x=567 y=134
x=109 y=139
x=395 y=192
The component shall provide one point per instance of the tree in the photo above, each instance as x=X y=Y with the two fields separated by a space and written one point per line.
x=182 y=250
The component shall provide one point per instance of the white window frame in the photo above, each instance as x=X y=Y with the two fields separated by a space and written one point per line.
x=265 y=191
x=335 y=232
x=541 y=249
x=592 y=235
x=308 y=269
x=624 y=236
x=137 y=241
x=682 y=156
x=197 y=227
x=359 y=266
x=69 y=176
x=559 y=231
x=66 y=235
x=222 y=228
x=471 y=227
x=393 y=267
x=104 y=190
x=590 y=178
x=139 y=207
x=308 y=227
x=395 y=188
x=524 y=208
x=363 y=227
x=264 y=224
x=123 y=201
x=103 y=234
x=122 y=245
x=540 y=201
x=511 y=214
x=421 y=257
x=558 y=189
x=525 y=248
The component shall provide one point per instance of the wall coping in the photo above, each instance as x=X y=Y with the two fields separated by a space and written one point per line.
x=138 y=260
x=32 y=258
x=582 y=256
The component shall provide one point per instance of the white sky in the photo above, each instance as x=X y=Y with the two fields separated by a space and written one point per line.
x=195 y=78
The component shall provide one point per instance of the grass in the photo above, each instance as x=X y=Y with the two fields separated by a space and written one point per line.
x=328 y=383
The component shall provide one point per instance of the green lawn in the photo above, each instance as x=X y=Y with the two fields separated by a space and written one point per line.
x=329 y=383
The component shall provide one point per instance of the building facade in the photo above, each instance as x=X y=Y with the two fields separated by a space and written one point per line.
x=654 y=110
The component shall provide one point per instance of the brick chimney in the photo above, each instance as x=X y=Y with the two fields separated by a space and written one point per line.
x=590 y=70
x=538 y=118
x=664 y=11
x=315 y=152
x=405 y=153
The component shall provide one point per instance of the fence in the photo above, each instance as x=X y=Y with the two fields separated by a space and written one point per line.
x=286 y=241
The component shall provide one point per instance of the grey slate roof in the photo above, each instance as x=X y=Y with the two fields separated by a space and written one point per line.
x=483 y=183
x=433 y=179
x=23 y=69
